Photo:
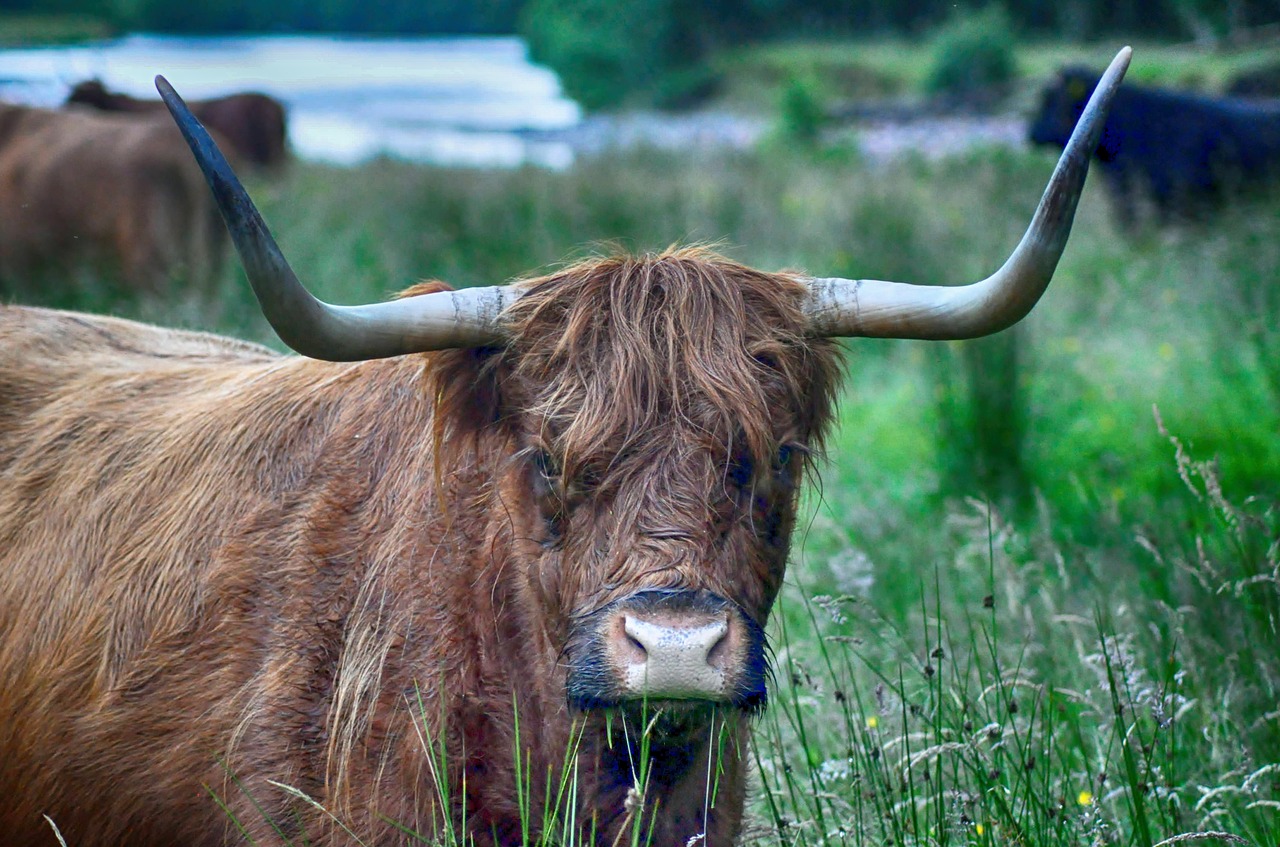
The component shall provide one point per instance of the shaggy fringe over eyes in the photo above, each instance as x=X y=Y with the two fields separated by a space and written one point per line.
x=612 y=347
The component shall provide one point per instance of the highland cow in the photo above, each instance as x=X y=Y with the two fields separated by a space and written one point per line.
x=499 y=541
x=111 y=195
x=253 y=124
x=1258 y=83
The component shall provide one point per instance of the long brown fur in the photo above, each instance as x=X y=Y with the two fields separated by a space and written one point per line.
x=223 y=571
x=110 y=193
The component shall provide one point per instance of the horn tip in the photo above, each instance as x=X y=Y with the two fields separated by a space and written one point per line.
x=1120 y=64
x=167 y=92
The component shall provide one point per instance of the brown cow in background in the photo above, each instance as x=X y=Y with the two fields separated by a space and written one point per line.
x=107 y=193
x=566 y=503
x=253 y=123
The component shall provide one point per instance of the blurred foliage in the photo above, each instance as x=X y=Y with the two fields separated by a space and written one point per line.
x=982 y=422
x=972 y=55
x=658 y=51
x=604 y=50
x=801 y=112
x=607 y=52
x=734 y=20
x=30 y=28
x=212 y=16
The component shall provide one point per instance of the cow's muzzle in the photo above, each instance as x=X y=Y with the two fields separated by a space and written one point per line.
x=672 y=645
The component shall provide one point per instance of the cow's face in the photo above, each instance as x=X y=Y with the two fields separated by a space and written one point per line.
x=1061 y=105
x=663 y=412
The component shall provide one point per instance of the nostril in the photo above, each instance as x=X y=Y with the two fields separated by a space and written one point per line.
x=719 y=646
x=633 y=640
x=637 y=646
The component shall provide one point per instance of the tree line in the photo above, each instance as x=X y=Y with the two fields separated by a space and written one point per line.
x=605 y=50
x=401 y=17
x=706 y=22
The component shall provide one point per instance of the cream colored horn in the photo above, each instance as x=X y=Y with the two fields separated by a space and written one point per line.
x=466 y=318
x=874 y=308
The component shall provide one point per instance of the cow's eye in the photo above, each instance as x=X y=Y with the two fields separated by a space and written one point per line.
x=548 y=494
x=553 y=522
x=789 y=461
x=547 y=468
x=740 y=470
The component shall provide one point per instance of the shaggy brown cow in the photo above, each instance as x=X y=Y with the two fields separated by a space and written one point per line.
x=252 y=123
x=428 y=588
x=116 y=195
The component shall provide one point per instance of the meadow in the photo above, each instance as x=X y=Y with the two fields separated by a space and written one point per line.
x=1035 y=597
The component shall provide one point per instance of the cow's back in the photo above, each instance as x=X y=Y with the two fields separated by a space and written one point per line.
x=150 y=480
x=253 y=123
x=111 y=191
x=49 y=358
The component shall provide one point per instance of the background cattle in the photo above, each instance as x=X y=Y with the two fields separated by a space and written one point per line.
x=1261 y=83
x=108 y=193
x=252 y=123
x=1181 y=154
x=502 y=541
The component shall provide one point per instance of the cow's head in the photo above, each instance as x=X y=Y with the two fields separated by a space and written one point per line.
x=1061 y=104
x=661 y=412
x=91 y=92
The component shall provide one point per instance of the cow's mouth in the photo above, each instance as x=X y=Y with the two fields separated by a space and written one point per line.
x=674 y=652
x=674 y=719
x=679 y=710
x=662 y=741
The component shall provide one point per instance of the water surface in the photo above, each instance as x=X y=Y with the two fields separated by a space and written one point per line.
x=456 y=101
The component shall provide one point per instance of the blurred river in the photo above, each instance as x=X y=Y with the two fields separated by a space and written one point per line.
x=455 y=101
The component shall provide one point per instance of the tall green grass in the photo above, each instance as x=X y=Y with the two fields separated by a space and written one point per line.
x=1087 y=655
x=1019 y=691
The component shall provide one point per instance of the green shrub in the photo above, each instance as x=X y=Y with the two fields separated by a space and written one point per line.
x=25 y=30
x=973 y=54
x=801 y=113
x=686 y=87
x=982 y=418
x=603 y=51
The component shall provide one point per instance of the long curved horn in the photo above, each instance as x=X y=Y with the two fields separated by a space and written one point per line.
x=438 y=321
x=871 y=307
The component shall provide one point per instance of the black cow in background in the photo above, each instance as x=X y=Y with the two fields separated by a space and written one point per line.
x=1262 y=83
x=1178 y=154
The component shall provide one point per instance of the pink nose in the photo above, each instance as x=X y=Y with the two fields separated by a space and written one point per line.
x=672 y=655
